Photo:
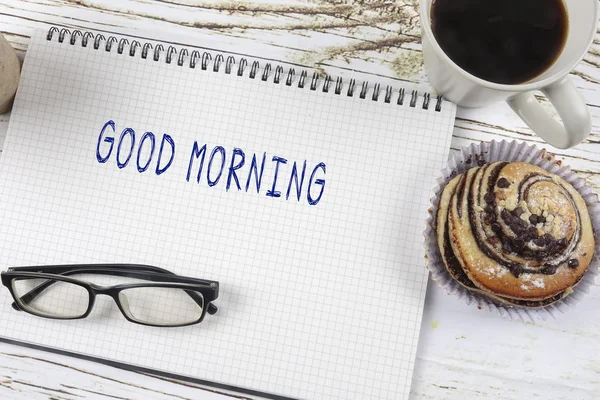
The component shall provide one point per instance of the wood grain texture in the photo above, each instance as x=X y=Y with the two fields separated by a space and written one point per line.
x=30 y=374
x=464 y=353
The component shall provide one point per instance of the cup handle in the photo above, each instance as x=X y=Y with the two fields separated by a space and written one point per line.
x=570 y=105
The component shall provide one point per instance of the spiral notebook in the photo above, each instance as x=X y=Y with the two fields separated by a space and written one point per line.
x=303 y=195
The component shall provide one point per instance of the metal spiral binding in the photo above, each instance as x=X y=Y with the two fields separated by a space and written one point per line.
x=290 y=77
x=230 y=61
x=170 y=51
x=303 y=76
x=278 y=72
x=266 y=71
x=206 y=58
x=253 y=70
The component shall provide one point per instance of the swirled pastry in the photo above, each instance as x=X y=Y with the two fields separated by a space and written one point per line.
x=514 y=232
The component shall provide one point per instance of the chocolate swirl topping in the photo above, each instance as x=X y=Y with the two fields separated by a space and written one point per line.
x=515 y=231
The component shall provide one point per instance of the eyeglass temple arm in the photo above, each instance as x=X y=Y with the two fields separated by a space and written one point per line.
x=60 y=269
x=119 y=269
x=33 y=293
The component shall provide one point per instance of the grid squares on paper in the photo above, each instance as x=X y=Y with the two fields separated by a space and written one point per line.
x=317 y=301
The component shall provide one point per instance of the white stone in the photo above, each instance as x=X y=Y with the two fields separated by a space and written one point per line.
x=10 y=72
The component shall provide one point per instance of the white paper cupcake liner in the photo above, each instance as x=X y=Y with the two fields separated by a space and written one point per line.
x=510 y=151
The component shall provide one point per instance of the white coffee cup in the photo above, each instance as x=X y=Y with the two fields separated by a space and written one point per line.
x=464 y=89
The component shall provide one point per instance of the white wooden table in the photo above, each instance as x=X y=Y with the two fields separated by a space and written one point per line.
x=464 y=353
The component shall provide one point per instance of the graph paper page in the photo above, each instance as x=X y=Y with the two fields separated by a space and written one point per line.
x=307 y=207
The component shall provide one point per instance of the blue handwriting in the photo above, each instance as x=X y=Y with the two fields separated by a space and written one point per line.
x=126 y=147
x=229 y=164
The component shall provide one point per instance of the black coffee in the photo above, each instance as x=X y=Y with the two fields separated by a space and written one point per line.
x=502 y=41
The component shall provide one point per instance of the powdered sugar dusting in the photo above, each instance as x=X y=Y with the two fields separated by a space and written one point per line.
x=530 y=282
x=496 y=270
x=538 y=283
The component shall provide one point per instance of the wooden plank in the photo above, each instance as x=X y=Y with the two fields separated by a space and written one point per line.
x=461 y=356
x=32 y=374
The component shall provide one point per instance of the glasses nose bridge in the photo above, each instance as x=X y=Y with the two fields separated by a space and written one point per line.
x=103 y=290
x=110 y=291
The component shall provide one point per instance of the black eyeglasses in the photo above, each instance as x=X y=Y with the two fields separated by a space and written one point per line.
x=161 y=298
